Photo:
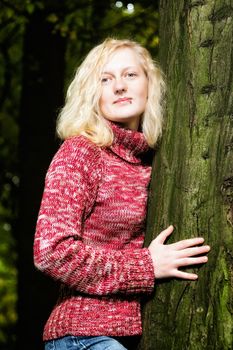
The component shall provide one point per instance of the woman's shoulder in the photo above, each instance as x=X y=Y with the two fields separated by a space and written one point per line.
x=80 y=154
x=80 y=141
x=77 y=153
x=80 y=146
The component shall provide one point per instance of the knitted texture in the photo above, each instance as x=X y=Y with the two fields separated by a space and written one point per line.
x=90 y=233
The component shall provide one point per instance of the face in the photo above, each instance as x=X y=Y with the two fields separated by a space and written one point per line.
x=124 y=88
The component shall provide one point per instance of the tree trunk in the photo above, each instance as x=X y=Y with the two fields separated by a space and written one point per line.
x=192 y=183
x=42 y=95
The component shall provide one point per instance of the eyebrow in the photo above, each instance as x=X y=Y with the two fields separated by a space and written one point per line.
x=124 y=69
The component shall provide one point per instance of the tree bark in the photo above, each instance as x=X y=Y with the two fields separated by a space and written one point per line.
x=192 y=182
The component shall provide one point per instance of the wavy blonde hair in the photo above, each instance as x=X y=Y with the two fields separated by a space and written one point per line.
x=81 y=113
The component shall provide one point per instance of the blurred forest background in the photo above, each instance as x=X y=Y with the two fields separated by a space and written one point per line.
x=42 y=42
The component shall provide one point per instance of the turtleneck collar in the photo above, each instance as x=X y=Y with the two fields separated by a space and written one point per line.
x=128 y=144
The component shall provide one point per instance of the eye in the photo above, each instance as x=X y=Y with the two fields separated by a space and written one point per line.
x=105 y=80
x=131 y=75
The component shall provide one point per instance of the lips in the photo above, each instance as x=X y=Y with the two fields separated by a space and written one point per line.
x=123 y=99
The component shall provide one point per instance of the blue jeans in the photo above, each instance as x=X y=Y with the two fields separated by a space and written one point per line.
x=71 y=342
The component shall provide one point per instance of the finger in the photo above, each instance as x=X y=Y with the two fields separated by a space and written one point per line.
x=186 y=243
x=186 y=275
x=161 y=238
x=192 y=261
x=193 y=251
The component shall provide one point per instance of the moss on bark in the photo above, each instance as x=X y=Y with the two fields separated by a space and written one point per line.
x=192 y=183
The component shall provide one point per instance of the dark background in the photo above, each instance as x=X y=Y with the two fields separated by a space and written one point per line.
x=42 y=42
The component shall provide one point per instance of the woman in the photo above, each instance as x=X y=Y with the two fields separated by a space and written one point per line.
x=91 y=223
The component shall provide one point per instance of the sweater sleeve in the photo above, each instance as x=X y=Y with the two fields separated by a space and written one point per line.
x=71 y=187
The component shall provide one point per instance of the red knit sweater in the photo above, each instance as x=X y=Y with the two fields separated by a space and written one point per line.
x=89 y=236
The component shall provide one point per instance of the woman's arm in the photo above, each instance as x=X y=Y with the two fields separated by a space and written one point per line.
x=70 y=191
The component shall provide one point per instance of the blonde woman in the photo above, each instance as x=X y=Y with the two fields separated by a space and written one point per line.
x=90 y=227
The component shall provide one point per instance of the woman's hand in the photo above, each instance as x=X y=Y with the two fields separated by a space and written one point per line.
x=167 y=259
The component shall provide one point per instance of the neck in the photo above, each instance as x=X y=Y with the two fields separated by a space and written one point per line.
x=132 y=125
x=128 y=144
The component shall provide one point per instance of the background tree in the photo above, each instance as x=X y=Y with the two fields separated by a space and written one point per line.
x=42 y=85
x=192 y=185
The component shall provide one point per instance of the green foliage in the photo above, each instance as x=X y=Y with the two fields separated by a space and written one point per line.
x=8 y=279
x=10 y=87
x=141 y=25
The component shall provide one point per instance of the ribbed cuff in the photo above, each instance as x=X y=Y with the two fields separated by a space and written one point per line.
x=140 y=272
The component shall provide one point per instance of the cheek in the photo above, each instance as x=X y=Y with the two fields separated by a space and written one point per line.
x=144 y=90
x=102 y=99
x=144 y=99
x=103 y=102
x=144 y=96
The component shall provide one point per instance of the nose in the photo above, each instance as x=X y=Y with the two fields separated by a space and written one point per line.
x=120 y=86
